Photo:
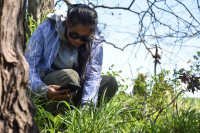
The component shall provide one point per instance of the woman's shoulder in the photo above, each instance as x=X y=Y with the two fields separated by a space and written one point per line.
x=47 y=25
x=46 y=28
x=98 y=37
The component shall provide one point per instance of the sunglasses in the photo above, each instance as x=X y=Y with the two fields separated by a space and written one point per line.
x=74 y=35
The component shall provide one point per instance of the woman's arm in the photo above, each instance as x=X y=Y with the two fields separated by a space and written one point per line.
x=34 y=54
x=93 y=74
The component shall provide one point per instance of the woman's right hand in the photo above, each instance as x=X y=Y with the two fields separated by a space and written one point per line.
x=53 y=94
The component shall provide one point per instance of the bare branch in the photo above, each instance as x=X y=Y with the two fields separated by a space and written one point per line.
x=57 y=2
x=66 y=1
x=188 y=11
x=109 y=7
x=146 y=45
x=161 y=110
x=131 y=4
x=198 y=4
x=122 y=49
x=114 y=46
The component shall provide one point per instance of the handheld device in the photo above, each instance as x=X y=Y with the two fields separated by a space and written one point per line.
x=71 y=86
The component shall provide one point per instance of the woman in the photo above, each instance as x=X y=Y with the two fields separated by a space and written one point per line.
x=67 y=48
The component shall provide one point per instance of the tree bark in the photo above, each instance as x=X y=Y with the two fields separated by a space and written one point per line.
x=16 y=109
x=38 y=8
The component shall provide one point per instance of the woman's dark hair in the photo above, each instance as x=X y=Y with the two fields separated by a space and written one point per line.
x=82 y=14
x=85 y=15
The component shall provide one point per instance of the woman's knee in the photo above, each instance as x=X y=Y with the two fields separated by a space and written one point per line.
x=61 y=77
x=113 y=84
x=110 y=85
x=71 y=75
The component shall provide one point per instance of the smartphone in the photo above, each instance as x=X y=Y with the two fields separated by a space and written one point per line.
x=71 y=86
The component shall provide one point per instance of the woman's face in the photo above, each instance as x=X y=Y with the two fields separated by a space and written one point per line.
x=79 y=34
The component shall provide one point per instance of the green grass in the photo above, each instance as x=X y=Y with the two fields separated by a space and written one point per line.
x=123 y=114
x=194 y=102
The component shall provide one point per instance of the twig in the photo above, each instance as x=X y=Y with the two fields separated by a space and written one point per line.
x=130 y=70
x=122 y=49
x=161 y=110
x=131 y=4
x=109 y=7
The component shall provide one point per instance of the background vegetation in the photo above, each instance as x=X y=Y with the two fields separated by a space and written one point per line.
x=152 y=112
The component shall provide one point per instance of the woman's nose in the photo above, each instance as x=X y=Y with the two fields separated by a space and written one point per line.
x=79 y=41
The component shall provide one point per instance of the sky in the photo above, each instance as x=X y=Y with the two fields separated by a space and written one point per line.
x=121 y=28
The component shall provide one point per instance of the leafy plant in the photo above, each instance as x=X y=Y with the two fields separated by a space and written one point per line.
x=122 y=83
x=31 y=25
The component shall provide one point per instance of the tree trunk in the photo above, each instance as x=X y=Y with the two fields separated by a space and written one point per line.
x=38 y=8
x=16 y=109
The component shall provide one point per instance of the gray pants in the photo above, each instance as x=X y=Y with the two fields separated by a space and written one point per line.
x=64 y=76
